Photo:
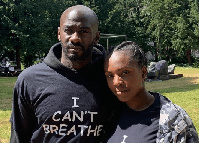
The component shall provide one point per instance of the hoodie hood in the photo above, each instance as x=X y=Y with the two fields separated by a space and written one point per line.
x=52 y=59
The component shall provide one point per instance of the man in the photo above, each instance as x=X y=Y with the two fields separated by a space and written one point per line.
x=65 y=98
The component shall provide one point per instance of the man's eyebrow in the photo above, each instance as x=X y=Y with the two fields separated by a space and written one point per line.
x=85 y=27
x=81 y=27
x=67 y=26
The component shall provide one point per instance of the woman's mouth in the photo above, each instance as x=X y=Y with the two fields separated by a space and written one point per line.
x=119 y=92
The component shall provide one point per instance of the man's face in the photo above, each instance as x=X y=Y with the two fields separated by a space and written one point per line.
x=77 y=34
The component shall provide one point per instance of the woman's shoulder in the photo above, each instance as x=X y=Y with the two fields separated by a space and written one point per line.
x=171 y=113
x=167 y=107
x=174 y=120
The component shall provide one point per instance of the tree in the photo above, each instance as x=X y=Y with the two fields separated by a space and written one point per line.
x=123 y=17
x=173 y=24
x=30 y=27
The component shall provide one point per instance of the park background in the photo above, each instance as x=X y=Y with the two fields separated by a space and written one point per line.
x=169 y=29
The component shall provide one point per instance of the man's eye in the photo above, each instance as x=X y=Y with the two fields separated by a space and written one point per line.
x=68 y=31
x=125 y=72
x=84 y=31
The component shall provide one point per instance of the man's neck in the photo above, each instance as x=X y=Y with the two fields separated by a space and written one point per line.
x=76 y=65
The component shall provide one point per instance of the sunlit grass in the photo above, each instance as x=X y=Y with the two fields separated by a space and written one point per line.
x=6 y=90
x=5 y=126
x=181 y=91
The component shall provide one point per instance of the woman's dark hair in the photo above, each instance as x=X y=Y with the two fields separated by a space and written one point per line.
x=133 y=51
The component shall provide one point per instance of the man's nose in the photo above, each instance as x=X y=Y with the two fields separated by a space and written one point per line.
x=75 y=38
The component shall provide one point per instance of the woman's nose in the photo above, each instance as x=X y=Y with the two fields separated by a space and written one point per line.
x=117 y=81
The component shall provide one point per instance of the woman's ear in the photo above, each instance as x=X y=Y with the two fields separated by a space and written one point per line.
x=59 y=39
x=144 y=72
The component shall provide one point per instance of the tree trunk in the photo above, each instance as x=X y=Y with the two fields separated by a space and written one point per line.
x=18 y=57
x=188 y=53
x=156 y=54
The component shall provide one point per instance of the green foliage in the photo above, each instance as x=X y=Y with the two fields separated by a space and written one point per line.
x=172 y=24
x=195 y=63
x=30 y=26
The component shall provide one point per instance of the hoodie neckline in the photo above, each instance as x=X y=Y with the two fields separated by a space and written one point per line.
x=52 y=59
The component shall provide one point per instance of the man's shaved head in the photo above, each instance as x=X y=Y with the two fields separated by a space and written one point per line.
x=81 y=11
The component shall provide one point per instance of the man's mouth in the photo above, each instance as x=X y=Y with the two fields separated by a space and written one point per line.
x=76 y=48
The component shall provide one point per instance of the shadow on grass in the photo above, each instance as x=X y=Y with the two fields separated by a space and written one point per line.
x=174 y=85
x=178 y=89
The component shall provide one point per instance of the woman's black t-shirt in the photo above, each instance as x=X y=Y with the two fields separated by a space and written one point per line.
x=138 y=126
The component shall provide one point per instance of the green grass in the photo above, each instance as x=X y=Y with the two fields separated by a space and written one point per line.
x=4 y=126
x=182 y=91
x=6 y=90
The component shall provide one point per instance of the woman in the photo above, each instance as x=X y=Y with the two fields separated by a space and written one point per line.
x=147 y=117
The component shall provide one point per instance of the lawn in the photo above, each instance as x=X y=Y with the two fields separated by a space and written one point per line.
x=182 y=91
x=6 y=89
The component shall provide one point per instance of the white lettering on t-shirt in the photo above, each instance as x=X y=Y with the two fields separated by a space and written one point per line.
x=99 y=129
x=75 y=105
x=82 y=128
x=63 y=129
x=75 y=115
x=92 y=115
x=125 y=136
x=90 y=131
x=54 y=128
x=53 y=117
x=60 y=118
x=72 y=130
x=66 y=116
x=46 y=128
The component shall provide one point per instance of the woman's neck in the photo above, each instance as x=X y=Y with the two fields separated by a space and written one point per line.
x=142 y=101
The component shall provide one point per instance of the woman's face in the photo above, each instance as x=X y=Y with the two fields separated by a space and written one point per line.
x=124 y=77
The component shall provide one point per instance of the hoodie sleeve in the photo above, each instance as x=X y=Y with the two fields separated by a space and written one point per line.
x=14 y=136
x=22 y=119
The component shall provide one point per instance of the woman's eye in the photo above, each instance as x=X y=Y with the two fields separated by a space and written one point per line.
x=109 y=76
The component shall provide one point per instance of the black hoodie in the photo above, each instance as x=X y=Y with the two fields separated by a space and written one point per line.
x=53 y=103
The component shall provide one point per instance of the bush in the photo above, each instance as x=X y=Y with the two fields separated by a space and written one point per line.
x=195 y=62
x=179 y=60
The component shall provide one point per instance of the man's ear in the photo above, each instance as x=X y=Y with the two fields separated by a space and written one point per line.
x=59 y=39
x=97 y=37
x=144 y=72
